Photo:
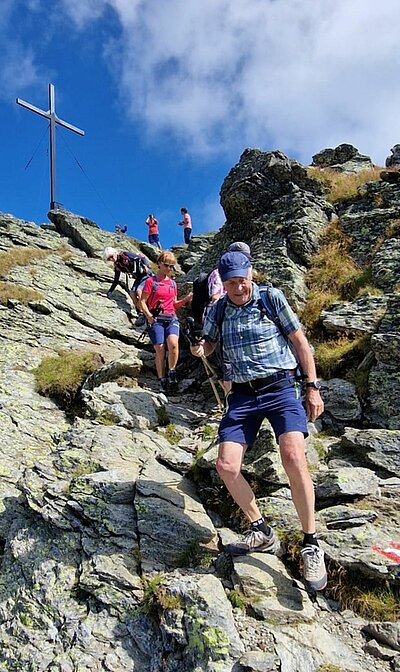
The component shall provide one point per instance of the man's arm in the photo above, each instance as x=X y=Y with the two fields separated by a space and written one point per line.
x=314 y=403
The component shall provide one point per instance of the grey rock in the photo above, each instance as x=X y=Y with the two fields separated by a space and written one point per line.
x=385 y=632
x=379 y=447
x=344 y=158
x=360 y=317
x=393 y=161
x=341 y=402
x=341 y=517
x=345 y=482
x=264 y=581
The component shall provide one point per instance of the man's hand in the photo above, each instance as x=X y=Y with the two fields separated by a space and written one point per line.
x=314 y=404
x=198 y=349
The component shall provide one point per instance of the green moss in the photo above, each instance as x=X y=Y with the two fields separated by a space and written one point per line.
x=194 y=555
x=106 y=418
x=61 y=377
x=206 y=641
x=209 y=432
x=172 y=434
x=236 y=599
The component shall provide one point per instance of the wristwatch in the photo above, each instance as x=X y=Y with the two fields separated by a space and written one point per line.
x=315 y=384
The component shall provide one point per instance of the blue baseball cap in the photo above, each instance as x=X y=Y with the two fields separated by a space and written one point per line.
x=233 y=265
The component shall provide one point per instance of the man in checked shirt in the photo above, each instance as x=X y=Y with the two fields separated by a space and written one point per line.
x=264 y=386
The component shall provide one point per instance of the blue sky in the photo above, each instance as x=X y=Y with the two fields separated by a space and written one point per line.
x=170 y=92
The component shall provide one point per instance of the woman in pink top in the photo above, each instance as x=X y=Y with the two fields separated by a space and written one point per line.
x=159 y=304
x=187 y=225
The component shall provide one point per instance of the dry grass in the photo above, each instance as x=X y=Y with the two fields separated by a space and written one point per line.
x=376 y=601
x=19 y=293
x=333 y=276
x=335 y=356
x=343 y=186
x=20 y=256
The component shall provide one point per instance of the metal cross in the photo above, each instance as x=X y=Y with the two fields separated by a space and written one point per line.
x=51 y=115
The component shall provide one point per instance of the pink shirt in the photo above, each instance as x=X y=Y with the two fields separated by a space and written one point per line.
x=166 y=292
x=187 y=221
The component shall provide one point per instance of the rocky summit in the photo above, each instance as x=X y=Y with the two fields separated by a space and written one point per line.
x=113 y=520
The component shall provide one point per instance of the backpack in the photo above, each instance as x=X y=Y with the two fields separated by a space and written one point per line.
x=201 y=297
x=268 y=306
x=132 y=263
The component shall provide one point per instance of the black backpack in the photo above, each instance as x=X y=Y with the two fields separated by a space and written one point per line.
x=133 y=264
x=200 y=297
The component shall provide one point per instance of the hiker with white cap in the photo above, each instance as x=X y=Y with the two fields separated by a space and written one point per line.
x=135 y=265
x=264 y=385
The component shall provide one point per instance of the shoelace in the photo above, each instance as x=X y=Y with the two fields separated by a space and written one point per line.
x=313 y=560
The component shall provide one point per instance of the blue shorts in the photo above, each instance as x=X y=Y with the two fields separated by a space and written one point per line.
x=162 y=328
x=282 y=406
x=154 y=238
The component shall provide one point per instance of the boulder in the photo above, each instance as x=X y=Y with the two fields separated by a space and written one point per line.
x=344 y=159
x=393 y=161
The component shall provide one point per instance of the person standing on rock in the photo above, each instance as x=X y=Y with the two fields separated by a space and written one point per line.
x=154 y=236
x=186 y=222
x=160 y=296
x=264 y=386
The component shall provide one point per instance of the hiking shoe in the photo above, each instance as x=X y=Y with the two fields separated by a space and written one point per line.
x=140 y=320
x=314 y=570
x=253 y=541
x=163 y=384
x=172 y=379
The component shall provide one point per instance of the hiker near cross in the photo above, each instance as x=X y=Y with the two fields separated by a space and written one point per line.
x=53 y=119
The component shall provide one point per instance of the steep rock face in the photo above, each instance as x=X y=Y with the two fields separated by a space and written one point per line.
x=110 y=557
x=271 y=203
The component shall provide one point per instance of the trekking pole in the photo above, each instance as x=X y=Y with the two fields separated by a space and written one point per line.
x=211 y=380
x=193 y=337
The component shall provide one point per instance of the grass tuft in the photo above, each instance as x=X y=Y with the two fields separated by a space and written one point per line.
x=20 y=256
x=62 y=376
x=335 y=356
x=343 y=186
x=10 y=291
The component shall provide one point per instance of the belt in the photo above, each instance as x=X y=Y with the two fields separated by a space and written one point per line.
x=255 y=386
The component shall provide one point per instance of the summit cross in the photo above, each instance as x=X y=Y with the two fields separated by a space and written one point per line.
x=54 y=120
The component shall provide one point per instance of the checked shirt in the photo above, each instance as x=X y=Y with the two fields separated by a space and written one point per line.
x=252 y=343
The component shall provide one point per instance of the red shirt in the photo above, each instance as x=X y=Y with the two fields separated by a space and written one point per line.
x=166 y=292
x=153 y=225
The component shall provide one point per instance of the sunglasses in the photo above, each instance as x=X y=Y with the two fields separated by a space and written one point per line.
x=168 y=265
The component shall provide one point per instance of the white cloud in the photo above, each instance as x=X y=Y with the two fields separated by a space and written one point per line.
x=288 y=74
x=219 y=75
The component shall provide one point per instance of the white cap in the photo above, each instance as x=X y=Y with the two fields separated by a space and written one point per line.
x=109 y=252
